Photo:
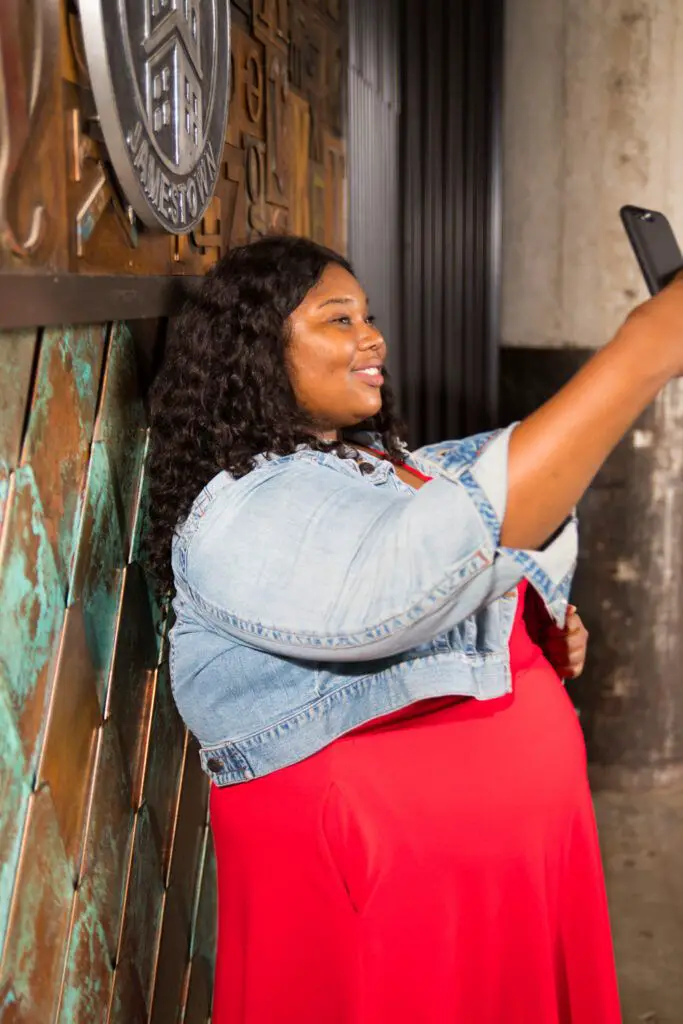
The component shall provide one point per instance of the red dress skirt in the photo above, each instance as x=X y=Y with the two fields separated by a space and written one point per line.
x=437 y=866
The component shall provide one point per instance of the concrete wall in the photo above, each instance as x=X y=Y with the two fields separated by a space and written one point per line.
x=593 y=119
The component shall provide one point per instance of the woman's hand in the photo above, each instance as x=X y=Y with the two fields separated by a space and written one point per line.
x=565 y=648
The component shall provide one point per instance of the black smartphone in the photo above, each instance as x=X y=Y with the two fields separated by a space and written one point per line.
x=654 y=245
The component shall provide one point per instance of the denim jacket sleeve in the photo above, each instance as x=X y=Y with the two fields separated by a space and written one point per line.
x=306 y=562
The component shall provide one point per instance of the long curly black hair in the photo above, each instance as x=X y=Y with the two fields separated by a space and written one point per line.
x=223 y=394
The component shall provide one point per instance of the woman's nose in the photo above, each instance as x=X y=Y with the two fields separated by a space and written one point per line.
x=371 y=338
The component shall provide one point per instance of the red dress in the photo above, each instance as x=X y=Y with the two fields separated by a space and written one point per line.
x=436 y=866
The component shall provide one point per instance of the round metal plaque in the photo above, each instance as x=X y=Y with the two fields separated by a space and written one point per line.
x=160 y=74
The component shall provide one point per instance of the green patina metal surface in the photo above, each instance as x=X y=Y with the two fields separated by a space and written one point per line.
x=107 y=876
x=109 y=836
x=89 y=975
x=164 y=763
x=60 y=428
x=204 y=925
x=122 y=423
x=17 y=352
x=15 y=790
x=36 y=938
x=98 y=564
x=143 y=904
x=32 y=610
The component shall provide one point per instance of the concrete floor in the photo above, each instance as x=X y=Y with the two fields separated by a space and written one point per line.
x=642 y=841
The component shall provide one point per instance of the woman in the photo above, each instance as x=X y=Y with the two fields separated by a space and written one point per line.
x=362 y=645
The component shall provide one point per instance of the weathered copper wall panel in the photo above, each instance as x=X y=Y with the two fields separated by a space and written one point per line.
x=98 y=564
x=107 y=870
x=127 y=1003
x=33 y=956
x=190 y=829
x=31 y=599
x=16 y=355
x=15 y=790
x=143 y=906
x=71 y=735
x=174 y=952
x=88 y=975
x=121 y=422
x=108 y=836
x=198 y=1003
x=60 y=428
x=164 y=763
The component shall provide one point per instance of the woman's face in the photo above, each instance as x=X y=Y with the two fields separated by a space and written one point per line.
x=336 y=354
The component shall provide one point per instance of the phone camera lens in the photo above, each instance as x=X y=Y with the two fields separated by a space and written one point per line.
x=646 y=216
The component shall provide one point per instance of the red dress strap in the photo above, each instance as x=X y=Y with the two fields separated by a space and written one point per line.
x=403 y=465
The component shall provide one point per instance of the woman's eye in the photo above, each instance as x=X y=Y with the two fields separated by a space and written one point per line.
x=346 y=320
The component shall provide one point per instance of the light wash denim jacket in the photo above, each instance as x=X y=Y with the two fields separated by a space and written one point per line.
x=311 y=598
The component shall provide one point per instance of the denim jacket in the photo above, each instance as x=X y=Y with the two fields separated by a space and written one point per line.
x=312 y=597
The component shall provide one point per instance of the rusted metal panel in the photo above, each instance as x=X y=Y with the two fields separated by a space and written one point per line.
x=108 y=835
x=68 y=751
x=4 y=491
x=129 y=701
x=141 y=516
x=31 y=600
x=17 y=351
x=127 y=1003
x=140 y=524
x=190 y=829
x=199 y=989
x=121 y=421
x=142 y=911
x=98 y=565
x=162 y=778
x=88 y=975
x=205 y=920
x=60 y=428
x=34 y=953
x=174 y=952
x=15 y=790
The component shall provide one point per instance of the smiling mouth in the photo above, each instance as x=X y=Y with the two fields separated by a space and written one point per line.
x=371 y=375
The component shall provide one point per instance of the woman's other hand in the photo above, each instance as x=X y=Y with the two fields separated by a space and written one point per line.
x=566 y=648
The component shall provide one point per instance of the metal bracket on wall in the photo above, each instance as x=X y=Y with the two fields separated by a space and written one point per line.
x=29 y=300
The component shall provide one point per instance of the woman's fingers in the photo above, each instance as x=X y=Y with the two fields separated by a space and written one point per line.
x=566 y=648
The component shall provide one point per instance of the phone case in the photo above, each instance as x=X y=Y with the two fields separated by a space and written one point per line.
x=654 y=245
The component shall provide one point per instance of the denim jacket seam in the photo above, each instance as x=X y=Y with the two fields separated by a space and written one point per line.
x=481 y=558
x=317 y=708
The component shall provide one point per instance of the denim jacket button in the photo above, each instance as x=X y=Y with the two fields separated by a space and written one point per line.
x=214 y=765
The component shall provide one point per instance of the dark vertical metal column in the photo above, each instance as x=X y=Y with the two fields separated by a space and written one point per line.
x=451 y=79
x=373 y=159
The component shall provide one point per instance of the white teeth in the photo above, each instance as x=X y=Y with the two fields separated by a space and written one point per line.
x=370 y=369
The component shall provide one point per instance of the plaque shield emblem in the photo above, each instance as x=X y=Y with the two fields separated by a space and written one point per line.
x=160 y=75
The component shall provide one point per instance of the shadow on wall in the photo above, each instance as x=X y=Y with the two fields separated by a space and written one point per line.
x=107 y=876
